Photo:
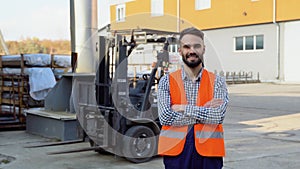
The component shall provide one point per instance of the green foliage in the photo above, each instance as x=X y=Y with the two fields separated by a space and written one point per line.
x=34 y=45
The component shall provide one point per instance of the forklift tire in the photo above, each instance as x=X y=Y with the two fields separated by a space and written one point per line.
x=99 y=150
x=139 y=144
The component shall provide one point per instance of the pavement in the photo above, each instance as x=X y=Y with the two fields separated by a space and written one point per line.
x=262 y=131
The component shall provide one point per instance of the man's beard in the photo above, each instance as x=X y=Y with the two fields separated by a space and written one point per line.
x=192 y=64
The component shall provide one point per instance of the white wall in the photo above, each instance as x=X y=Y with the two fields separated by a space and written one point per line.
x=220 y=54
x=290 y=50
x=103 y=13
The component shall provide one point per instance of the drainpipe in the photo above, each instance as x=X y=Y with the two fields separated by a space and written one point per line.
x=279 y=76
x=73 y=38
x=72 y=25
x=178 y=15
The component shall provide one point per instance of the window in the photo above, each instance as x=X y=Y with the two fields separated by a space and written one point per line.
x=120 y=15
x=249 y=43
x=157 y=7
x=173 y=48
x=202 y=4
x=239 y=43
x=260 y=42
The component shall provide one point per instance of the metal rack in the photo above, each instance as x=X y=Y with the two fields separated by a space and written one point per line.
x=14 y=96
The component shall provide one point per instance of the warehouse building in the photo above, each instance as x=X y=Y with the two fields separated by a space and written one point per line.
x=257 y=36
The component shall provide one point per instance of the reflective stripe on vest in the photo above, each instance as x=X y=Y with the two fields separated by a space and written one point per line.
x=207 y=134
x=173 y=134
x=208 y=137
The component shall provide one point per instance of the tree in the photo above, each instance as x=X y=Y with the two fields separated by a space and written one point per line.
x=34 y=45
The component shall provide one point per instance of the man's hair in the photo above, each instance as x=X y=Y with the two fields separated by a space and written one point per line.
x=192 y=31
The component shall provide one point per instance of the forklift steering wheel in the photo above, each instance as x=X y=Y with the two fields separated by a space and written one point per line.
x=146 y=76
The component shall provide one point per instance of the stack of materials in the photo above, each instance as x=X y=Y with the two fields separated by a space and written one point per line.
x=25 y=81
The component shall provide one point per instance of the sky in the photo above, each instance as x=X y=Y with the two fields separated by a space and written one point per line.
x=43 y=19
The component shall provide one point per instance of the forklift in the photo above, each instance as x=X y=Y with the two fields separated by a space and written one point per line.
x=119 y=114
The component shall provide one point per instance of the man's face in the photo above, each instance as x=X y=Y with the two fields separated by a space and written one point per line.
x=192 y=50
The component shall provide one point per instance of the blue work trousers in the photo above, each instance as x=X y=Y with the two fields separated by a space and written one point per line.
x=190 y=159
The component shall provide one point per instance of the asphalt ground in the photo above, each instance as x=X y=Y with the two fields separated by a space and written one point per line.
x=262 y=131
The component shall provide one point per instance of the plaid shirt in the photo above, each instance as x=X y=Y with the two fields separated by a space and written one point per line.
x=193 y=114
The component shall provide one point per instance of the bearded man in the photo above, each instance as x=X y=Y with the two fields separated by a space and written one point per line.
x=192 y=103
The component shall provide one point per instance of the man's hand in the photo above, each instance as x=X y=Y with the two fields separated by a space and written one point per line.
x=214 y=103
x=178 y=108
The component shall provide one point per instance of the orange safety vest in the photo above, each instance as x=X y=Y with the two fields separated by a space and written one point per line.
x=209 y=139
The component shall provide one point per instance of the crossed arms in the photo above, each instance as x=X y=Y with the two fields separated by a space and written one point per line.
x=213 y=112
